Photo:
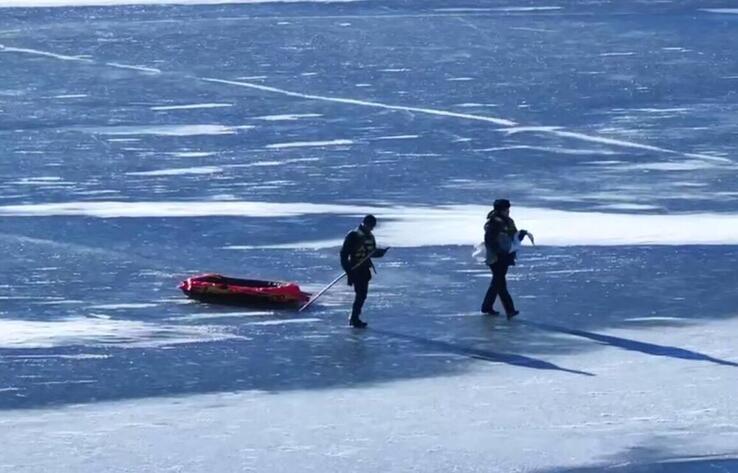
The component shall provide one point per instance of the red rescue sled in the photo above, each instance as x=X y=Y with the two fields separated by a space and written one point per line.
x=218 y=289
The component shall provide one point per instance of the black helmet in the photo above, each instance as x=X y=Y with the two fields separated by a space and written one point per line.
x=501 y=204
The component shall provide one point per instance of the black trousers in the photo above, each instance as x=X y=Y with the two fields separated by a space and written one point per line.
x=361 y=288
x=498 y=287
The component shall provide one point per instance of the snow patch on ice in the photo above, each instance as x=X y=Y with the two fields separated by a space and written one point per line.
x=37 y=52
x=193 y=106
x=40 y=180
x=443 y=225
x=257 y=164
x=691 y=165
x=497 y=9
x=461 y=10
x=60 y=302
x=288 y=117
x=151 y=70
x=534 y=30
x=98 y=192
x=163 y=130
x=143 y=305
x=660 y=110
x=304 y=144
x=628 y=206
x=116 y=209
x=527 y=9
x=78 y=356
x=81 y=3
x=396 y=137
x=178 y=171
x=727 y=11
x=553 y=149
x=304 y=245
x=192 y=154
x=285 y=321
x=475 y=105
x=102 y=332
x=512 y=130
x=219 y=315
x=462 y=225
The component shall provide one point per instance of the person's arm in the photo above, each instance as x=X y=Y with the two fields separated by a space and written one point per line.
x=380 y=252
x=491 y=232
x=348 y=247
x=521 y=234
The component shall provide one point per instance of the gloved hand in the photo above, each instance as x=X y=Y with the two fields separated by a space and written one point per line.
x=522 y=234
x=380 y=252
x=349 y=279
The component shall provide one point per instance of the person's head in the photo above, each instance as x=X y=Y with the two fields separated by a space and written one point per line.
x=502 y=207
x=369 y=222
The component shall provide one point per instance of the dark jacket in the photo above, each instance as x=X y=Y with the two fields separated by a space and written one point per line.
x=499 y=232
x=357 y=245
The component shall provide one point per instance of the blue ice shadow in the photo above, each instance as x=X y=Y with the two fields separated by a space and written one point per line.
x=481 y=354
x=685 y=466
x=633 y=345
x=667 y=459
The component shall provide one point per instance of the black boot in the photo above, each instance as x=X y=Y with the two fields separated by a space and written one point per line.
x=512 y=314
x=489 y=311
x=356 y=322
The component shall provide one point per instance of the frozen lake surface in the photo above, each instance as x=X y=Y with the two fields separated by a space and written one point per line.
x=142 y=144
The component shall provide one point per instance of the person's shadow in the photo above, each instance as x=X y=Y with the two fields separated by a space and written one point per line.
x=632 y=345
x=480 y=354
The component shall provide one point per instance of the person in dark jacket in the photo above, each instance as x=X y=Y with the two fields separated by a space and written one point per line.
x=359 y=247
x=499 y=232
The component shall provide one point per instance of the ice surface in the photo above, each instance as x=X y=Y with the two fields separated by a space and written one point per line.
x=721 y=10
x=78 y=3
x=100 y=332
x=151 y=70
x=179 y=171
x=288 y=117
x=443 y=225
x=193 y=106
x=308 y=144
x=164 y=130
x=610 y=125
x=397 y=137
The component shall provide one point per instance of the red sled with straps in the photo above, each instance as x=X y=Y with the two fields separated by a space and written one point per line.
x=218 y=289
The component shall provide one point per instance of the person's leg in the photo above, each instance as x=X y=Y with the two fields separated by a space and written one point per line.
x=490 y=296
x=361 y=288
x=500 y=278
